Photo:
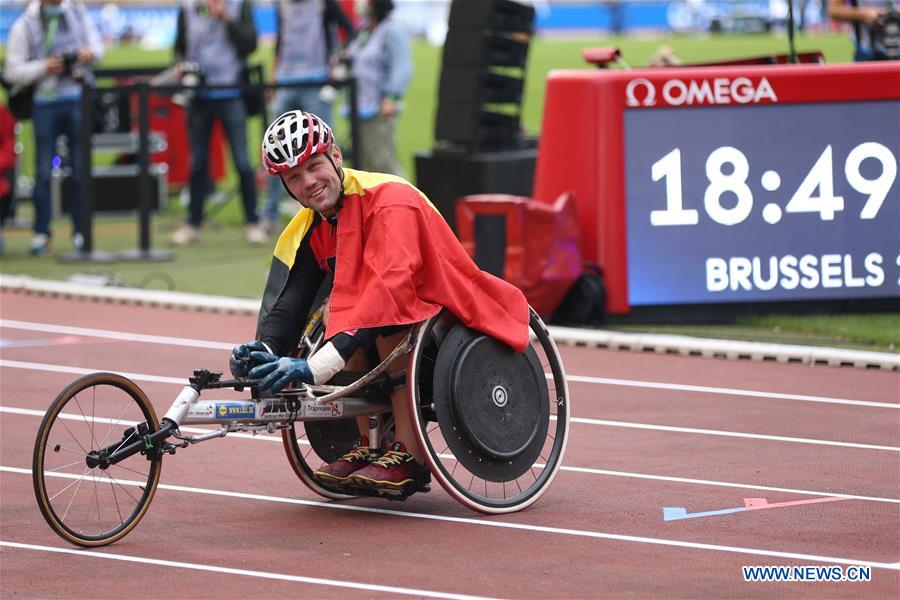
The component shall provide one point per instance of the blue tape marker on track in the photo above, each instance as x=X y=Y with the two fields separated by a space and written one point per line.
x=676 y=513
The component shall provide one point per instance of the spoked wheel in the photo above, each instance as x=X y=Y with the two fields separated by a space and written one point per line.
x=493 y=423
x=85 y=504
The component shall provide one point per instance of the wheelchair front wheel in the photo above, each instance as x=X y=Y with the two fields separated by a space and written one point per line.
x=527 y=410
x=84 y=504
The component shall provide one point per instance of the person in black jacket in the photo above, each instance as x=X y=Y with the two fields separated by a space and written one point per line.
x=213 y=40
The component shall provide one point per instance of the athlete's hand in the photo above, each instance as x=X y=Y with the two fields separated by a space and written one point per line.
x=240 y=358
x=278 y=372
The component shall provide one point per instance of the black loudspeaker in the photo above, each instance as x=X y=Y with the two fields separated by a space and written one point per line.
x=497 y=15
x=471 y=86
x=482 y=74
x=465 y=126
x=445 y=176
x=475 y=47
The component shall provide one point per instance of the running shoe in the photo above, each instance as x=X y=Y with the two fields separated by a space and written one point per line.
x=338 y=471
x=394 y=470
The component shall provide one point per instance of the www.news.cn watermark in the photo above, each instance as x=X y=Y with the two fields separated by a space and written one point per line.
x=807 y=573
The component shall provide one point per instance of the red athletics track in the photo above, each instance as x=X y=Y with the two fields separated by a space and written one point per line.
x=248 y=528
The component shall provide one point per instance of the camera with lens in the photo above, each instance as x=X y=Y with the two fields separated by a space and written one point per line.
x=191 y=77
x=885 y=36
x=71 y=68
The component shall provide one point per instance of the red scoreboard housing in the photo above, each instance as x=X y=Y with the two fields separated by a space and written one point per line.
x=669 y=167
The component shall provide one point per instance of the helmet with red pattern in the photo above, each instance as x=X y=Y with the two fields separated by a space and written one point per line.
x=292 y=138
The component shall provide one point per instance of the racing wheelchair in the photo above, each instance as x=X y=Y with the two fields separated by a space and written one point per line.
x=493 y=425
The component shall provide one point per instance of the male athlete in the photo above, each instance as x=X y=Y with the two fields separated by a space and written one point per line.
x=394 y=262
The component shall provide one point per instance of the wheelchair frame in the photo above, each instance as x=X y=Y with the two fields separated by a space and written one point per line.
x=146 y=439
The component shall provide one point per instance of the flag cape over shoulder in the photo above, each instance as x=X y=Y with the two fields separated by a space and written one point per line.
x=399 y=263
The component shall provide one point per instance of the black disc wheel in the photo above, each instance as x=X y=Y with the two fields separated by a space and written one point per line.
x=493 y=423
x=87 y=503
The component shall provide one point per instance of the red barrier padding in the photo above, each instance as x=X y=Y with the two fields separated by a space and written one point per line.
x=170 y=120
x=541 y=255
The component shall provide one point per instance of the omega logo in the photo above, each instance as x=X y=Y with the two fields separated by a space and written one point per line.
x=649 y=91
x=720 y=90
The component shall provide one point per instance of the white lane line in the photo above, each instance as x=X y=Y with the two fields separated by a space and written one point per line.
x=14 y=364
x=154 y=339
x=17 y=364
x=242 y=572
x=585 y=470
x=270 y=438
x=702 y=389
x=736 y=434
x=115 y=335
x=747 y=486
x=104 y=421
x=483 y=521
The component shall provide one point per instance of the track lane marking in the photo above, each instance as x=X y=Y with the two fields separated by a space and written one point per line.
x=115 y=335
x=155 y=339
x=585 y=470
x=242 y=572
x=102 y=420
x=625 y=424
x=501 y=524
x=736 y=434
x=18 y=364
x=702 y=389
x=14 y=364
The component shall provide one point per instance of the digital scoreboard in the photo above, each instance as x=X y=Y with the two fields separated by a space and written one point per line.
x=731 y=184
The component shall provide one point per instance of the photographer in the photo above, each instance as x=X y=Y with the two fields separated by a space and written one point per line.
x=213 y=40
x=52 y=46
x=876 y=27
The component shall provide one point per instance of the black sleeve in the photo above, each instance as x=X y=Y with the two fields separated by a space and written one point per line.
x=335 y=14
x=347 y=343
x=284 y=324
x=277 y=32
x=242 y=31
x=180 y=48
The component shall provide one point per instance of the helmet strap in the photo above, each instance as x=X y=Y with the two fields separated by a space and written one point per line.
x=340 y=174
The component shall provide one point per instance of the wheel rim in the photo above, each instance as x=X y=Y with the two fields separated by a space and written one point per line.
x=305 y=461
x=94 y=506
x=466 y=486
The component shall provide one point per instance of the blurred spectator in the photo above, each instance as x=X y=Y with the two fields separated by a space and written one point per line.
x=382 y=65
x=305 y=42
x=616 y=12
x=213 y=40
x=7 y=165
x=52 y=45
x=868 y=19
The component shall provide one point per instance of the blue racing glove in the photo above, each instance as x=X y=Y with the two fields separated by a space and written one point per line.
x=278 y=372
x=240 y=358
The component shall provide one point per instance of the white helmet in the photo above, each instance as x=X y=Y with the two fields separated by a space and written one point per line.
x=292 y=138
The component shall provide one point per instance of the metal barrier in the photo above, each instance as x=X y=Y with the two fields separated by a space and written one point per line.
x=143 y=90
